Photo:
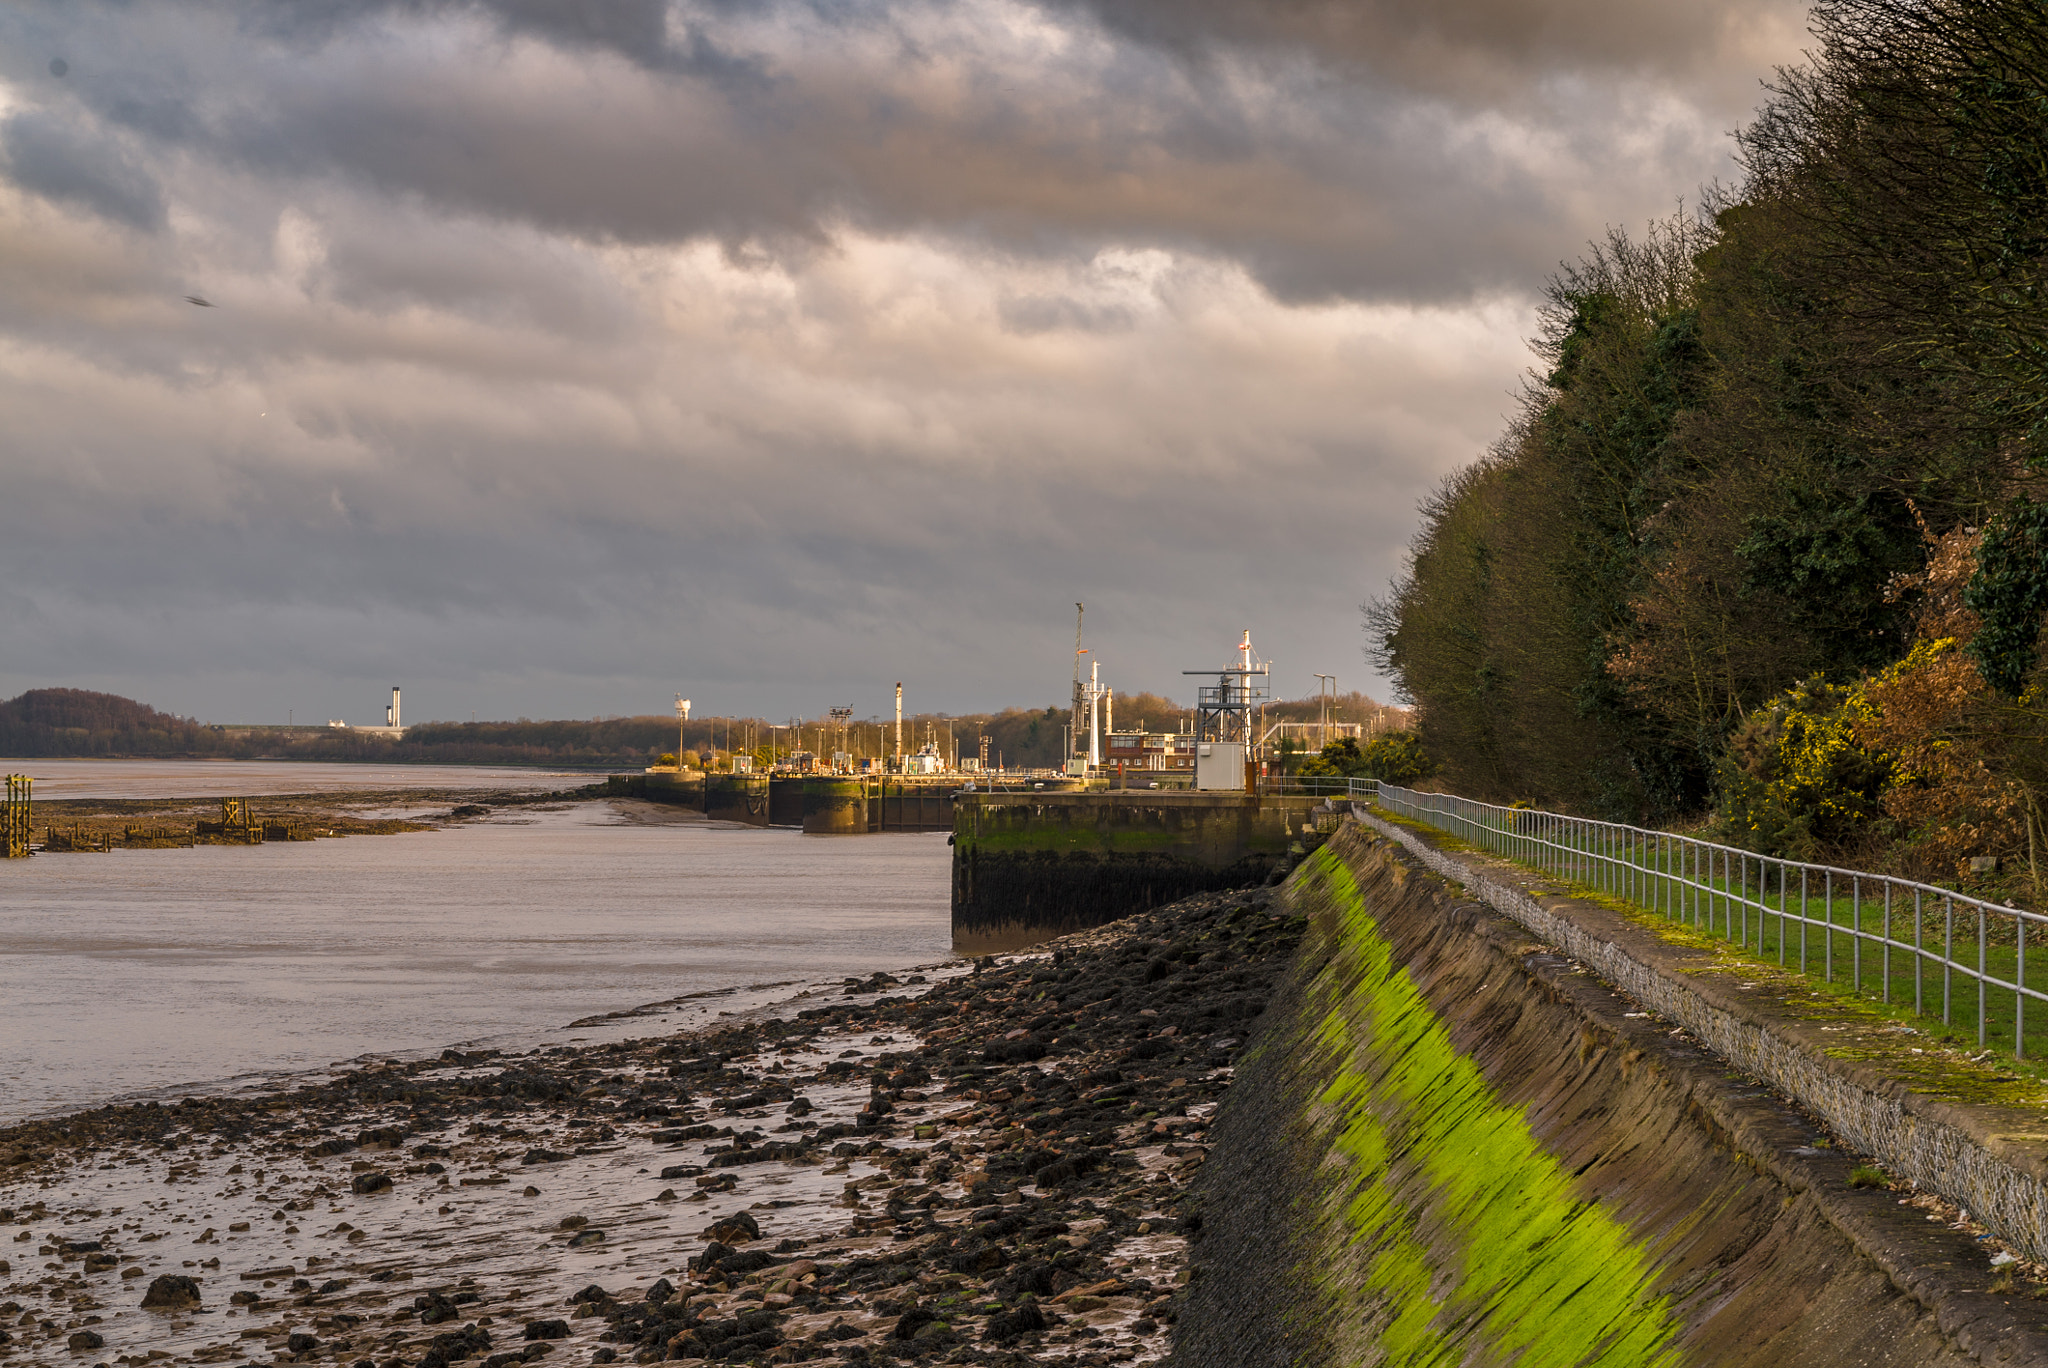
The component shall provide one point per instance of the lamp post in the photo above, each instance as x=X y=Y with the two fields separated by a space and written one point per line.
x=1323 y=692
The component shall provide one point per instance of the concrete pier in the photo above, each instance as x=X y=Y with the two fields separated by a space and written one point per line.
x=835 y=807
x=1055 y=862
x=739 y=798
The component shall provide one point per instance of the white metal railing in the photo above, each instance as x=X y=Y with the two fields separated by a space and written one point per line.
x=1895 y=930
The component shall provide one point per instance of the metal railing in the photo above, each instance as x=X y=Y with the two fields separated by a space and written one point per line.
x=1837 y=922
x=1327 y=785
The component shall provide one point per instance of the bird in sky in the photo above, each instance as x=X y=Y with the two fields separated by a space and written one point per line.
x=202 y=303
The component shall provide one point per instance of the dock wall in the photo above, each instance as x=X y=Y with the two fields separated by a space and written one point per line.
x=827 y=805
x=1056 y=862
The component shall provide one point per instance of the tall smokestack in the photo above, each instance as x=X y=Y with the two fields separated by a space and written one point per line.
x=899 y=724
x=391 y=714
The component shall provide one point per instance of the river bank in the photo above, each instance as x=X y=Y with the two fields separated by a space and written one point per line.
x=968 y=1163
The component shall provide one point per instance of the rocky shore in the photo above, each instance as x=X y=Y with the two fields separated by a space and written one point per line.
x=979 y=1162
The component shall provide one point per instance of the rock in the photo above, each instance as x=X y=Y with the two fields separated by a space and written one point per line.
x=1008 y=1325
x=172 y=1291
x=86 y=1339
x=665 y=1195
x=547 y=1330
x=365 y=1183
x=675 y=1171
x=543 y=1156
x=734 y=1229
x=299 y=1342
x=583 y=1238
x=912 y=1321
x=595 y=1293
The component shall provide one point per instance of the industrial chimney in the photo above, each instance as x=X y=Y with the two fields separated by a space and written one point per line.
x=391 y=717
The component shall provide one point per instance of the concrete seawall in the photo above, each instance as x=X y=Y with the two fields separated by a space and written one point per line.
x=1047 y=863
x=1451 y=1143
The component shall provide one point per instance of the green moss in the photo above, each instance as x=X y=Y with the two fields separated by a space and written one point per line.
x=1474 y=1228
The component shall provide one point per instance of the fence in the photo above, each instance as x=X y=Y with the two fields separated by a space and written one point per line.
x=1839 y=922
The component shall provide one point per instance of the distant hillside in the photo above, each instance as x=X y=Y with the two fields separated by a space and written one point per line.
x=78 y=722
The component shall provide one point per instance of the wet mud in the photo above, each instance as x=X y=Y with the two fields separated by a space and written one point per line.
x=976 y=1162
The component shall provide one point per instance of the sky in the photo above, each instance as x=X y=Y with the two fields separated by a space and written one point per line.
x=561 y=356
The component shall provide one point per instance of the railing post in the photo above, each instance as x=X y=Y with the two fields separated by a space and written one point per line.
x=2019 y=994
x=1980 y=977
x=1828 y=910
x=1887 y=971
x=1948 y=957
x=1919 y=955
x=1802 y=918
x=1856 y=936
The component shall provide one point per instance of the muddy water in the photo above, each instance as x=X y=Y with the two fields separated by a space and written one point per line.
x=134 y=971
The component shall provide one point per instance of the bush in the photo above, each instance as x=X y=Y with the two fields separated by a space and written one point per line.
x=1394 y=757
x=1796 y=780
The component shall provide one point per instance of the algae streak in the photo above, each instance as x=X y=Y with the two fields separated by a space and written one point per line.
x=1543 y=1277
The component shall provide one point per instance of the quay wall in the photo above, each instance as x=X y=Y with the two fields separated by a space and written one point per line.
x=1056 y=862
x=1449 y=1142
x=819 y=804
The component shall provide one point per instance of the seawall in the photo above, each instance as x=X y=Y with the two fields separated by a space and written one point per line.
x=1453 y=1144
x=1047 y=863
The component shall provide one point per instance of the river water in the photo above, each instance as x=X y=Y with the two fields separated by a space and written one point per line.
x=140 y=971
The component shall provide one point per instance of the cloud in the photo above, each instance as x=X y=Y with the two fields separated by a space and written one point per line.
x=58 y=161
x=581 y=352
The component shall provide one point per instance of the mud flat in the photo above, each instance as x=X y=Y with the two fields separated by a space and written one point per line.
x=364 y=812
x=971 y=1163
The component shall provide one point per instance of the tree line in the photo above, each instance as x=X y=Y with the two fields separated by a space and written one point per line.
x=1766 y=541
x=53 y=723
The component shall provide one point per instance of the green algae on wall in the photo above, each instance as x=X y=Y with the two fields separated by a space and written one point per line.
x=1475 y=1244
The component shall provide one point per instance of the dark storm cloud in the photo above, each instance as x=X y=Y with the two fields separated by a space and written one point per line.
x=1479 y=49
x=1324 y=181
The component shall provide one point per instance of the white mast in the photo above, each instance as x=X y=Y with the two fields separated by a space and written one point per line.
x=1094 y=714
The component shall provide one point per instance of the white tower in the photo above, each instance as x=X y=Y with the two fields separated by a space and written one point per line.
x=1094 y=714
x=391 y=714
